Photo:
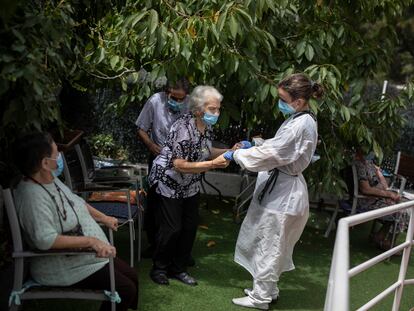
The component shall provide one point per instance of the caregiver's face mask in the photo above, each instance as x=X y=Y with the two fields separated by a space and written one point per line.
x=285 y=108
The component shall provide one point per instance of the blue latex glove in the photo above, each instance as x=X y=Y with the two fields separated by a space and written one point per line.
x=245 y=144
x=385 y=173
x=228 y=155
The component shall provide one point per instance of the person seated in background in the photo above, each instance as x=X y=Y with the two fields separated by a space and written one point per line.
x=373 y=184
x=52 y=217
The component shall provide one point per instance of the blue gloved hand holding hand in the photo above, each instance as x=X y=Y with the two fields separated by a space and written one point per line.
x=228 y=155
x=245 y=144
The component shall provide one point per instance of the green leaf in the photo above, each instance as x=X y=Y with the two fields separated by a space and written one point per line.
x=329 y=39
x=37 y=88
x=246 y=16
x=273 y=91
x=340 y=31
x=355 y=98
x=101 y=54
x=124 y=85
x=214 y=31
x=346 y=114
x=176 y=42
x=377 y=150
x=18 y=35
x=264 y=92
x=313 y=105
x=185 y=51
x=300 y=48
x=114 y=60
x=331 y=79
x=153 y=21
x=233 y=26
x=310 y=52
x=137 y=18
x=155 y=73
x=221 y=21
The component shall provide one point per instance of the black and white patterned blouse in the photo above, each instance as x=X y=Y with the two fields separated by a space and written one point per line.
x=183 y=142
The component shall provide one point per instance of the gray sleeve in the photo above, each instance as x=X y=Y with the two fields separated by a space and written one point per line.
x=38 y=222
x=146 y=117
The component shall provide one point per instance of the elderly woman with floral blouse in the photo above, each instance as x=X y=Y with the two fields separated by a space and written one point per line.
x=176 y=174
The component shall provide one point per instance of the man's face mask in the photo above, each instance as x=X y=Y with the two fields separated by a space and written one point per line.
x=59 y=163
x=176 y=101
x=174 y=105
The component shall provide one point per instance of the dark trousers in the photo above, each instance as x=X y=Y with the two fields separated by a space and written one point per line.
x=126 y=284
x=177 y=221
x=149 y=212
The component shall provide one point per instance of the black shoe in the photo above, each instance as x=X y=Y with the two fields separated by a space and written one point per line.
x=191 y=262
x=185 y=278
x=160 y=278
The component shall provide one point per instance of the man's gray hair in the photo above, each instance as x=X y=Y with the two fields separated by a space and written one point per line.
x=201 y=94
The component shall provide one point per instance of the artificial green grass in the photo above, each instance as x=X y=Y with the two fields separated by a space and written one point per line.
x=220 y=279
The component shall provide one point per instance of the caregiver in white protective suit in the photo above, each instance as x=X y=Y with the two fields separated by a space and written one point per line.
x=280 y=207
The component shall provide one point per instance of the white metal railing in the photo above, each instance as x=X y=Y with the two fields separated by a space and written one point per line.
x=337 y=295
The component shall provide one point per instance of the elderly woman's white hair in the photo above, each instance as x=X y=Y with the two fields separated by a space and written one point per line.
x=201 y=94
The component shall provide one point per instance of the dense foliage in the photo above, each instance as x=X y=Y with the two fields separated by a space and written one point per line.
x=242 y=47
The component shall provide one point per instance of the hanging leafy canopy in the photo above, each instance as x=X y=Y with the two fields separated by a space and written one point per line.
x=245 y=47
x=241 y=47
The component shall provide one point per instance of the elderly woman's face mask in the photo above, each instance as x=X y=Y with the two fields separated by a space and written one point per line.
x=211 y=112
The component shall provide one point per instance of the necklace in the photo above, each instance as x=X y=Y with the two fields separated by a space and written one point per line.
x=61 y=214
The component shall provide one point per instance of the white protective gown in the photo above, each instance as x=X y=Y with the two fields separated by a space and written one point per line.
x=271 y=228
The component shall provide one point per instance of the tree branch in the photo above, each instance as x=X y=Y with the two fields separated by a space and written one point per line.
x=105 y=77
x=175 y=10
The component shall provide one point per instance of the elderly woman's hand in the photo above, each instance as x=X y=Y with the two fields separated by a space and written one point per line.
x=244 y=144
x=395 y=196
x=110 y=222
x=102 y=249
x=237 y=146
x=220 y=162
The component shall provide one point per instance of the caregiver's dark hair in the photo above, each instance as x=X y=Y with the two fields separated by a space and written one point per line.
x=300 y=85
x=30 y=149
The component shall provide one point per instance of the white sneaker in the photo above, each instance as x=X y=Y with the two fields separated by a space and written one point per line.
x=247 y=292
x=246 y=302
